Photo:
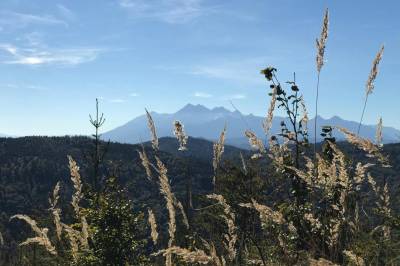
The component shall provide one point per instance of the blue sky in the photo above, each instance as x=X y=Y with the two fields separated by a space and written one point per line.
x=56 y=57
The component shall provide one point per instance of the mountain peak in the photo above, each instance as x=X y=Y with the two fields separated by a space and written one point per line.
x=191 y=108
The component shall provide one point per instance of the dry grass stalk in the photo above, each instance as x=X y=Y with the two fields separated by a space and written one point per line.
x=146 y=163
x=153 y=226
x=180 y=134
x=374 y=72
x=152 y=127
x=76 y=198
x=73 y=237
x=321 y=42
x=41 y=234
x=76 y=180
x=198 y=256
x=56 y=212
x=304 y=120
x=378 y=140
x=255 y=144
x=353 y=258
x=266 y=213
x=267 y=124
x=365 y=145
x=218 y=150
x=165 y=190
x=229 y=218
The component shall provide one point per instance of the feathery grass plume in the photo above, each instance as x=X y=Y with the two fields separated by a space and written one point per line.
x=353 y=258
x=378 y=139
x=153 y=226
x=218 y=150
x=385 y=198
x=370 y=83
x=365 y=145
x=152 y=127
x=198 y=256
x=180 y=134
x=41 y=234
x=1 y=240
x=165 y=190
x=334 y=230
x=255 y=144
x=76 y=198
x=321 y=42
x=374 y=72
x=56 y=211
x=229 y=218
x=267 y=123
x=146 y=163
x=76 y=180
x=265 y=212
x=73 y=237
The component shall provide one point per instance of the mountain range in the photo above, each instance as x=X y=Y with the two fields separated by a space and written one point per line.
x=202 y=122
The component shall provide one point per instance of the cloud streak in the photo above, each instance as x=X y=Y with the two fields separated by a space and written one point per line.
x=202 y=95
x=36 y=57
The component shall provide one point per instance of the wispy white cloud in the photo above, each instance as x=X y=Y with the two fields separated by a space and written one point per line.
x=202 y=95
x=134 y=94
x=169 y=11
x=34 y=56
x=9 y=19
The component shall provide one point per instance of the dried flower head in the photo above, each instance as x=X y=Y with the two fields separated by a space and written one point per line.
x=180 y=134
x=374 y=71
x=152 y=128
x=321 y=43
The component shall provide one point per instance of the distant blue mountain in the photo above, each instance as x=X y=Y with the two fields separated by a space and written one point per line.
x=202 y=122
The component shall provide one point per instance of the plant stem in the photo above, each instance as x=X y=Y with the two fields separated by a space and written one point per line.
x=362 y=114
x=316 y=117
